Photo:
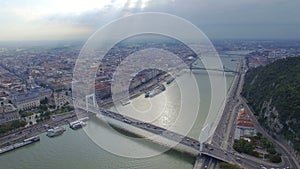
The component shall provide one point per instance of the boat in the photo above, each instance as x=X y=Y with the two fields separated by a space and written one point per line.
x=77 y=124
x=32 y=139
x=56 y=131
x=124 y=103
x=19 y=144
x=155 y=91
x=84 y=119
x=170 y=80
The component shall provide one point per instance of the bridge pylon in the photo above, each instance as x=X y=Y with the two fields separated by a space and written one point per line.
x=204 y=136
x=90 y=100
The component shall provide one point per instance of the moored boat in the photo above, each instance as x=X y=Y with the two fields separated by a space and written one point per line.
x=77 y=124
x=56 y=131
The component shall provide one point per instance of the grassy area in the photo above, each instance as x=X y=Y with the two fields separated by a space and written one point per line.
x=243 y=146
x=229 y=166
x=41 y=114
x=45 y=115
x=11 y=126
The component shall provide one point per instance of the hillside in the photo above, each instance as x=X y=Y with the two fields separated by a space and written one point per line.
x=273 y=92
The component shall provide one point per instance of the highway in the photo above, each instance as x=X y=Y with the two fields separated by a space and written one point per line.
x=190 y=142
x=220 y=147
x=218 y=70
x=224 y=134
x=221 y=144
x=287 y=156
x=288 y=160
x=56 y=120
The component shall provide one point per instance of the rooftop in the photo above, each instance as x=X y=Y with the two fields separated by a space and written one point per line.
x=30 y=95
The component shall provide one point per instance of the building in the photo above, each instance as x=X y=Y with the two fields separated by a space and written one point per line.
x=8 y=113
x=244 y=126
x=43 y=93
x=102 y=89
x=31 y=99
x=60 y=99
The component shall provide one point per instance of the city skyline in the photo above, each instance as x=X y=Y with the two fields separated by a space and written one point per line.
x=77 y=20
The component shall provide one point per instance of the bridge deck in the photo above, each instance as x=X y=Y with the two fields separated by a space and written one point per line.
x=188 y=141
x=208 y=149
x=218 y=70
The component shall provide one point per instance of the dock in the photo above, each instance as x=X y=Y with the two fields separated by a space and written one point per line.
x=19 y=144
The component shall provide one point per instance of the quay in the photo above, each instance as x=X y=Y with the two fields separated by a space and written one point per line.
x=19 y=144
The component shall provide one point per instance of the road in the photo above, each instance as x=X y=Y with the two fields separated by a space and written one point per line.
x=21 y=134
x=221 y=147
x=224 y=134
x=288 y=158
x=188 y=141
x=286 y=154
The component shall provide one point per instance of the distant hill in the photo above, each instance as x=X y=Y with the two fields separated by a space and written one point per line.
x=273 y=91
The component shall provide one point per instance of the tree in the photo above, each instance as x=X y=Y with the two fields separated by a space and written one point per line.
x=271 y=150
x=13 y=125
x=18 y=123
x=275 y=158
x=228 y=166
x=243 y=146
x=259 y=135
x=277 y=84
x=43 y=107
x=44 y=101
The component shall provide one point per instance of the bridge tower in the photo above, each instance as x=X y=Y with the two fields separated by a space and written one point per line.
x=90 y=100
x=204 y=136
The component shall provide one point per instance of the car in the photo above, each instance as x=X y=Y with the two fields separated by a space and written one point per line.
x=263 y=167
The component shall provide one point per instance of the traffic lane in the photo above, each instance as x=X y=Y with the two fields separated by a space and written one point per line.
x=260 y=129
x=153 y=129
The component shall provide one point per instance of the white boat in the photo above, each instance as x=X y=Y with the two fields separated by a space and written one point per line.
x=56 y=131
x=160 y=88
x=77 y=124
x=124 y=103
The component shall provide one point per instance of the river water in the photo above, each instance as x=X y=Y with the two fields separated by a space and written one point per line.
x=74 y=149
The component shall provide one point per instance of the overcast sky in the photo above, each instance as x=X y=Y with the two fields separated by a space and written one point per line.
x=218 y=19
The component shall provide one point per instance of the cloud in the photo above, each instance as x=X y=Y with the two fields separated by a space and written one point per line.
x=246 y=17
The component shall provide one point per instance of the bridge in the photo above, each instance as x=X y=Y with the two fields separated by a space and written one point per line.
x=225 y=69
x=191 y=146
x=186 y=144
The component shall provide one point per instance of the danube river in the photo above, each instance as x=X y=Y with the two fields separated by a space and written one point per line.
x=74 y=149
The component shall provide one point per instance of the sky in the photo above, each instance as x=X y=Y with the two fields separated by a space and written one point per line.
x=78 y=19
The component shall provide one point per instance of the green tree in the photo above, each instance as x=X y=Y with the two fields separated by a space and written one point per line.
x=228 y=166
x=44 y=101
x=13 y=125
x=277 y=84
x=243 y=146
x=43 y=107
x=275 y=158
